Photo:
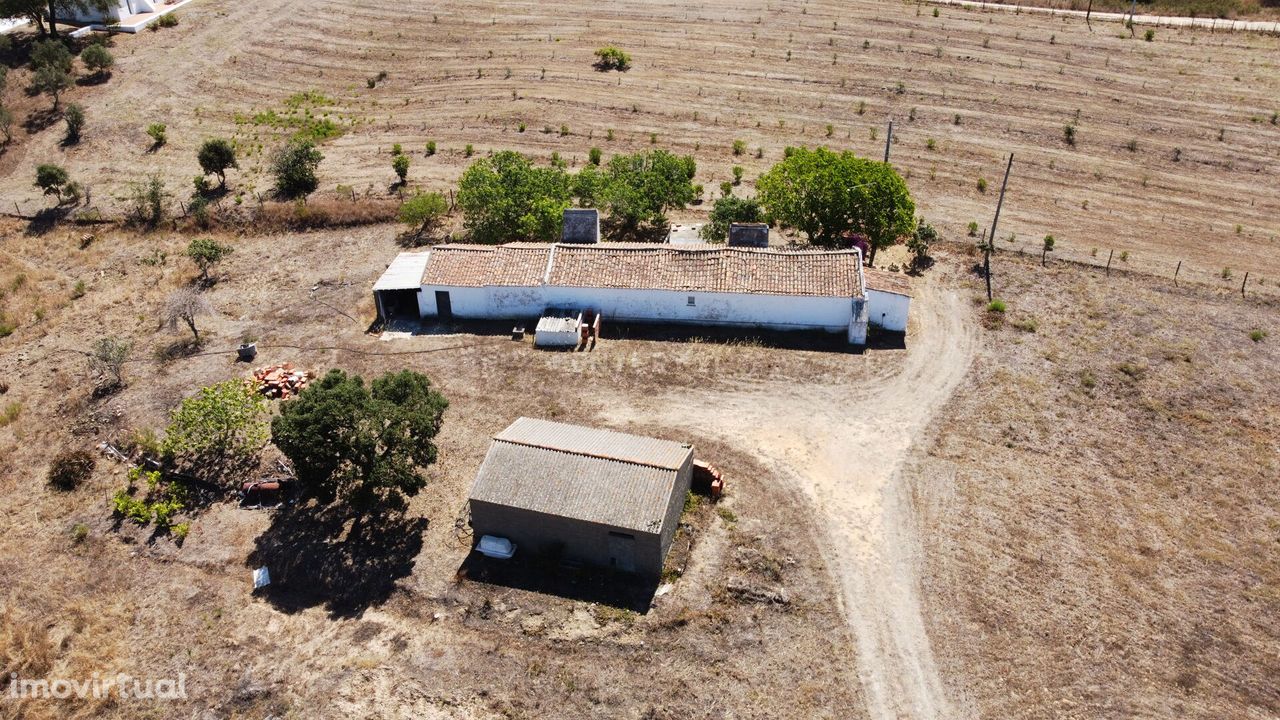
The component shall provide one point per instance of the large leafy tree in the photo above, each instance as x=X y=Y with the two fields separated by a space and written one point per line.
x=361 y=443
x=219 y=424
x=825 y=194
x=294 y=167
x=216 y=156
x=506 y=197
x=639 y=189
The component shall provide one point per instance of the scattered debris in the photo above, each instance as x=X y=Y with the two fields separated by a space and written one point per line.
x=281 y=381
x=111 y=451
x=707 y=479
x=758 y=594
x=261 y=578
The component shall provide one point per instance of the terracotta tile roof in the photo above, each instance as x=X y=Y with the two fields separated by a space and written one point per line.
x=707 y=268
x=518 y=264
x=646 y=266
x=886 y=281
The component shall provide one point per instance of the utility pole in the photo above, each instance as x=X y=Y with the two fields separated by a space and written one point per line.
x=888 y=140
x=986 y=271
x=1000 y=202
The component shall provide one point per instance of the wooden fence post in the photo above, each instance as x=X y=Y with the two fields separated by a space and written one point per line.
x=1175 y=273
x=1246 y=282
x=1113 y=252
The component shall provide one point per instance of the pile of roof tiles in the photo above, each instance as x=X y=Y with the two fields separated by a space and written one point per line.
x=281 y=381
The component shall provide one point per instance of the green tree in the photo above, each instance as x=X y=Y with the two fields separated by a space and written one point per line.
x=825 y=194
x=400 y=163
x=588 y=186
x=361 y=443
x=53 y=54
x=74 y=117
x=220 y=423
x=51 y=81
x=97 y=59
x=612 y=58
x=157 y=133
x=216 y=156
x=45 y=14
x=294 y=167
x=52 y=179
x=728 y=210
x=206 y=253
x=1046 y=249
x=505 y=197
x=641 y=188
x=423 y=211
x=147 y=201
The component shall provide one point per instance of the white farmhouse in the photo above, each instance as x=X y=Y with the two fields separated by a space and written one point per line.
x=647 y=283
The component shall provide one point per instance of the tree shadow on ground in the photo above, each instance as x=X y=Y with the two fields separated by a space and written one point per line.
x=336 y=556
x=585 y=584
x=41 y=120
x=46 y=219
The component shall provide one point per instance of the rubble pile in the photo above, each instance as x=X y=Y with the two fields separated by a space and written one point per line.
x=280 y=381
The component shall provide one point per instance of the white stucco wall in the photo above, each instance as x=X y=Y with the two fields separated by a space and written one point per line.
x=888 y=310
x=780 y=312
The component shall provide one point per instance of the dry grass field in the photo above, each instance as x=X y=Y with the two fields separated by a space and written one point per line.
x=1084 y=529
x=1176 y=141
x=1097 y=509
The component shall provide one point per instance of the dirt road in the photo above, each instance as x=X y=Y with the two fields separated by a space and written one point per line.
x=845 y=447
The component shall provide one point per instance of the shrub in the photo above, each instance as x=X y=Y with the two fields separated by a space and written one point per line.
x=931 y=144
x=1028 y=324
x=147 y=202
x=726 y=211
x=831 y=129
x=74 y=117
x=97 y=59
x=739 y=147
x=737 y=174
x=1069 y=134
x=216 y=156
x=1257 y=335
x=982 y=184
x=108 y=357
x=612 y=58
x=79 y=532
x=726 y=189
x=51 y=81
x=920 y=241
x=997 y=306
x=469 y=150
x=294 y=167
x=70 y=468
x=167 y=21
x=6 y=125
x=1149 y=35
x=400 y=164
x=423 y=210
x=206 y=253
x=594 y=156
x=157 y=133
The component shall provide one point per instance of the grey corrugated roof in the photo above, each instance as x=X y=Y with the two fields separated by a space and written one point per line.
x=596 y=442
x=597 y=476
x=404 y=273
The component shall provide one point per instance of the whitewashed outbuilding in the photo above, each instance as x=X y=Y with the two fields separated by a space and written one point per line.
x=710 y=285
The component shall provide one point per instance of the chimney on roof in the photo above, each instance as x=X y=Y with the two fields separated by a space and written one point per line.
x=752 y=235
x=581 y=226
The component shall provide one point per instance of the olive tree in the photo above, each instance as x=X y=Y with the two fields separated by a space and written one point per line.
x=216 y=156
x=826 y=194
x=52 y=179
x=728 y=210
x=98 y=60
x=361 y=443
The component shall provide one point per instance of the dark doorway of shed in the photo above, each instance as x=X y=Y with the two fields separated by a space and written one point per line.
x=444 y=306
x=399 y=304
x=545 y=575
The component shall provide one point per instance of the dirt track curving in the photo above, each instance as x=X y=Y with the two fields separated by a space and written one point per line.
x=847 y=454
